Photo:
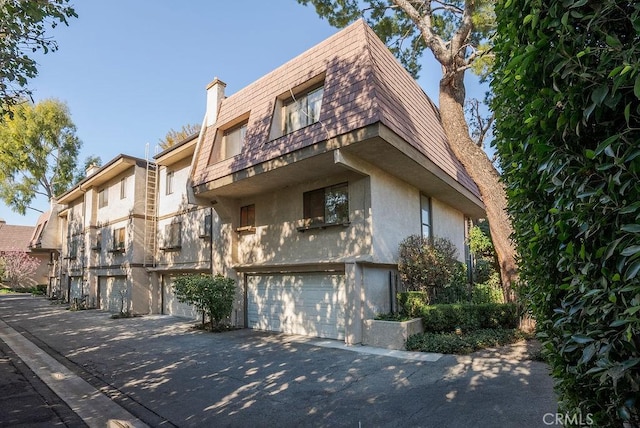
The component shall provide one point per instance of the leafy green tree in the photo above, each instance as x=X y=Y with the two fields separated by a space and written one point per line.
x=38 y=151
x=457 y=34
x=22 y=29
x=567 y=104
x=174 y=137
x=211 y=295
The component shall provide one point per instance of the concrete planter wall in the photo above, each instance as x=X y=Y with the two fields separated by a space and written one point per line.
x=389 y=334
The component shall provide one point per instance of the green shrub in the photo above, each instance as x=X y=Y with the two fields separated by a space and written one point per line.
x=452 y=343
x=468 y=317
x=426 y=264
x=488 y=292
x=211 y=295
x=412 y=302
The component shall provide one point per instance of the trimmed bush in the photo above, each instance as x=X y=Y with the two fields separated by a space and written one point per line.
x=451 y=343
x=468 y=317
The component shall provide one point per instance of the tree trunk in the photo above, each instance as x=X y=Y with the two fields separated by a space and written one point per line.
x=482 y=171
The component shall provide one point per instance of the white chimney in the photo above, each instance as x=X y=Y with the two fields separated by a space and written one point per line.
x=215 y=95
x=91 y=169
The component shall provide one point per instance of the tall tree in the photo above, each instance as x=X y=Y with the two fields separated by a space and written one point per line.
x=457 y=34
x=567 y=103
x=22 y=32
x=38 y=152
x=174 y=137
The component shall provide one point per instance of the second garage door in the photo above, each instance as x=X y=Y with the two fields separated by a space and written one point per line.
x=310 y=304
x=170 y=303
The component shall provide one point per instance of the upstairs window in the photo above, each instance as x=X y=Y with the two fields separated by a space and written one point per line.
x=103 y=198
x=302 y=110
x=425 y=216
x=173 y=236
x=233 y=140
x=329 y=205
x=205 y=231
x=73 y=248
x=98 y=244
x=248 y=216
x=169 y=182
x=118 y=239
x=123 y=187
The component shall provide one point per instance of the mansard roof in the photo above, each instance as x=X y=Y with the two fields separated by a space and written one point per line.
x=364 y=84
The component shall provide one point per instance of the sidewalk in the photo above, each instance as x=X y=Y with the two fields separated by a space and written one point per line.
x=163 y=373
x=90 y=405
x=25 y=400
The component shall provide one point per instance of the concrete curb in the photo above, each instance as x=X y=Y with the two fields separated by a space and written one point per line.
x=93 y=407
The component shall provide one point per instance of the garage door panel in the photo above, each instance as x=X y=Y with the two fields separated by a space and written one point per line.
x=308 y=304
x=170 y=303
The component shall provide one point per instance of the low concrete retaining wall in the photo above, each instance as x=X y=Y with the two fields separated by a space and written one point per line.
x=390 y=334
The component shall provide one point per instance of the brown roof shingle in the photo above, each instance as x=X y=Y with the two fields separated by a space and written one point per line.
x=364 y=84
x=15 y=238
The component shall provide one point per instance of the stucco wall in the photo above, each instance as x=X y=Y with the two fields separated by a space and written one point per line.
x=448 y=223
x=395 y=215
x=278 y=215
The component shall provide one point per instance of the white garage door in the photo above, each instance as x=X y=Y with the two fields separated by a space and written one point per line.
x=170 y=304
x=307 y=304
x=76 y=287
x=110 y=289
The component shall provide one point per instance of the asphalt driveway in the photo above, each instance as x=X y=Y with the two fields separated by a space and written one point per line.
x=167 y=374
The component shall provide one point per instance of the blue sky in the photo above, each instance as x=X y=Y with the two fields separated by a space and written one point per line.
x=131 y=70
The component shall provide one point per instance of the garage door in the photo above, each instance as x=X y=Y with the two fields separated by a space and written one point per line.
x=109 y=293
x=170 y=304
x=307 y=304
x=76 y=287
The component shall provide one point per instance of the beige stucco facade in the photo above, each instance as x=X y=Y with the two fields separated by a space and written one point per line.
x=245 y=210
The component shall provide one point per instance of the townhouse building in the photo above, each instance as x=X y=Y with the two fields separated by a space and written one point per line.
x=301 y=186
x=318 y=171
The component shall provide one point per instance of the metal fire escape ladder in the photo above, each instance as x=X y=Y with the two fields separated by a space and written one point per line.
x=150 y=213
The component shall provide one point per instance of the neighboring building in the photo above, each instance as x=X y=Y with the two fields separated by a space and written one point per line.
x=317 y=171
x=16 y=239
x=126 y=230
x=108 y=236
x=46 y=243
x=184 y=230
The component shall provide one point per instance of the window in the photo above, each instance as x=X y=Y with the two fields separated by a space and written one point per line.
x=206 y=227
x=118 y=239
x=123 y=187
x=169 y=183
x=425 y=216
x=98 y=244
x=173 y=236
x=233 y=140
x=248 y=216
x=329 y=205
x=103 y=198
x=73 y=248
x=302 y=110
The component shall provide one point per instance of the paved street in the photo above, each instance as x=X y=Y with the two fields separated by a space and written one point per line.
x=164 y=373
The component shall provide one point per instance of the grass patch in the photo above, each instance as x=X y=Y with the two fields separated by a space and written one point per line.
x=452 y=343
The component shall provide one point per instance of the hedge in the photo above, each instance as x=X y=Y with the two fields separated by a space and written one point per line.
x=468 y=317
